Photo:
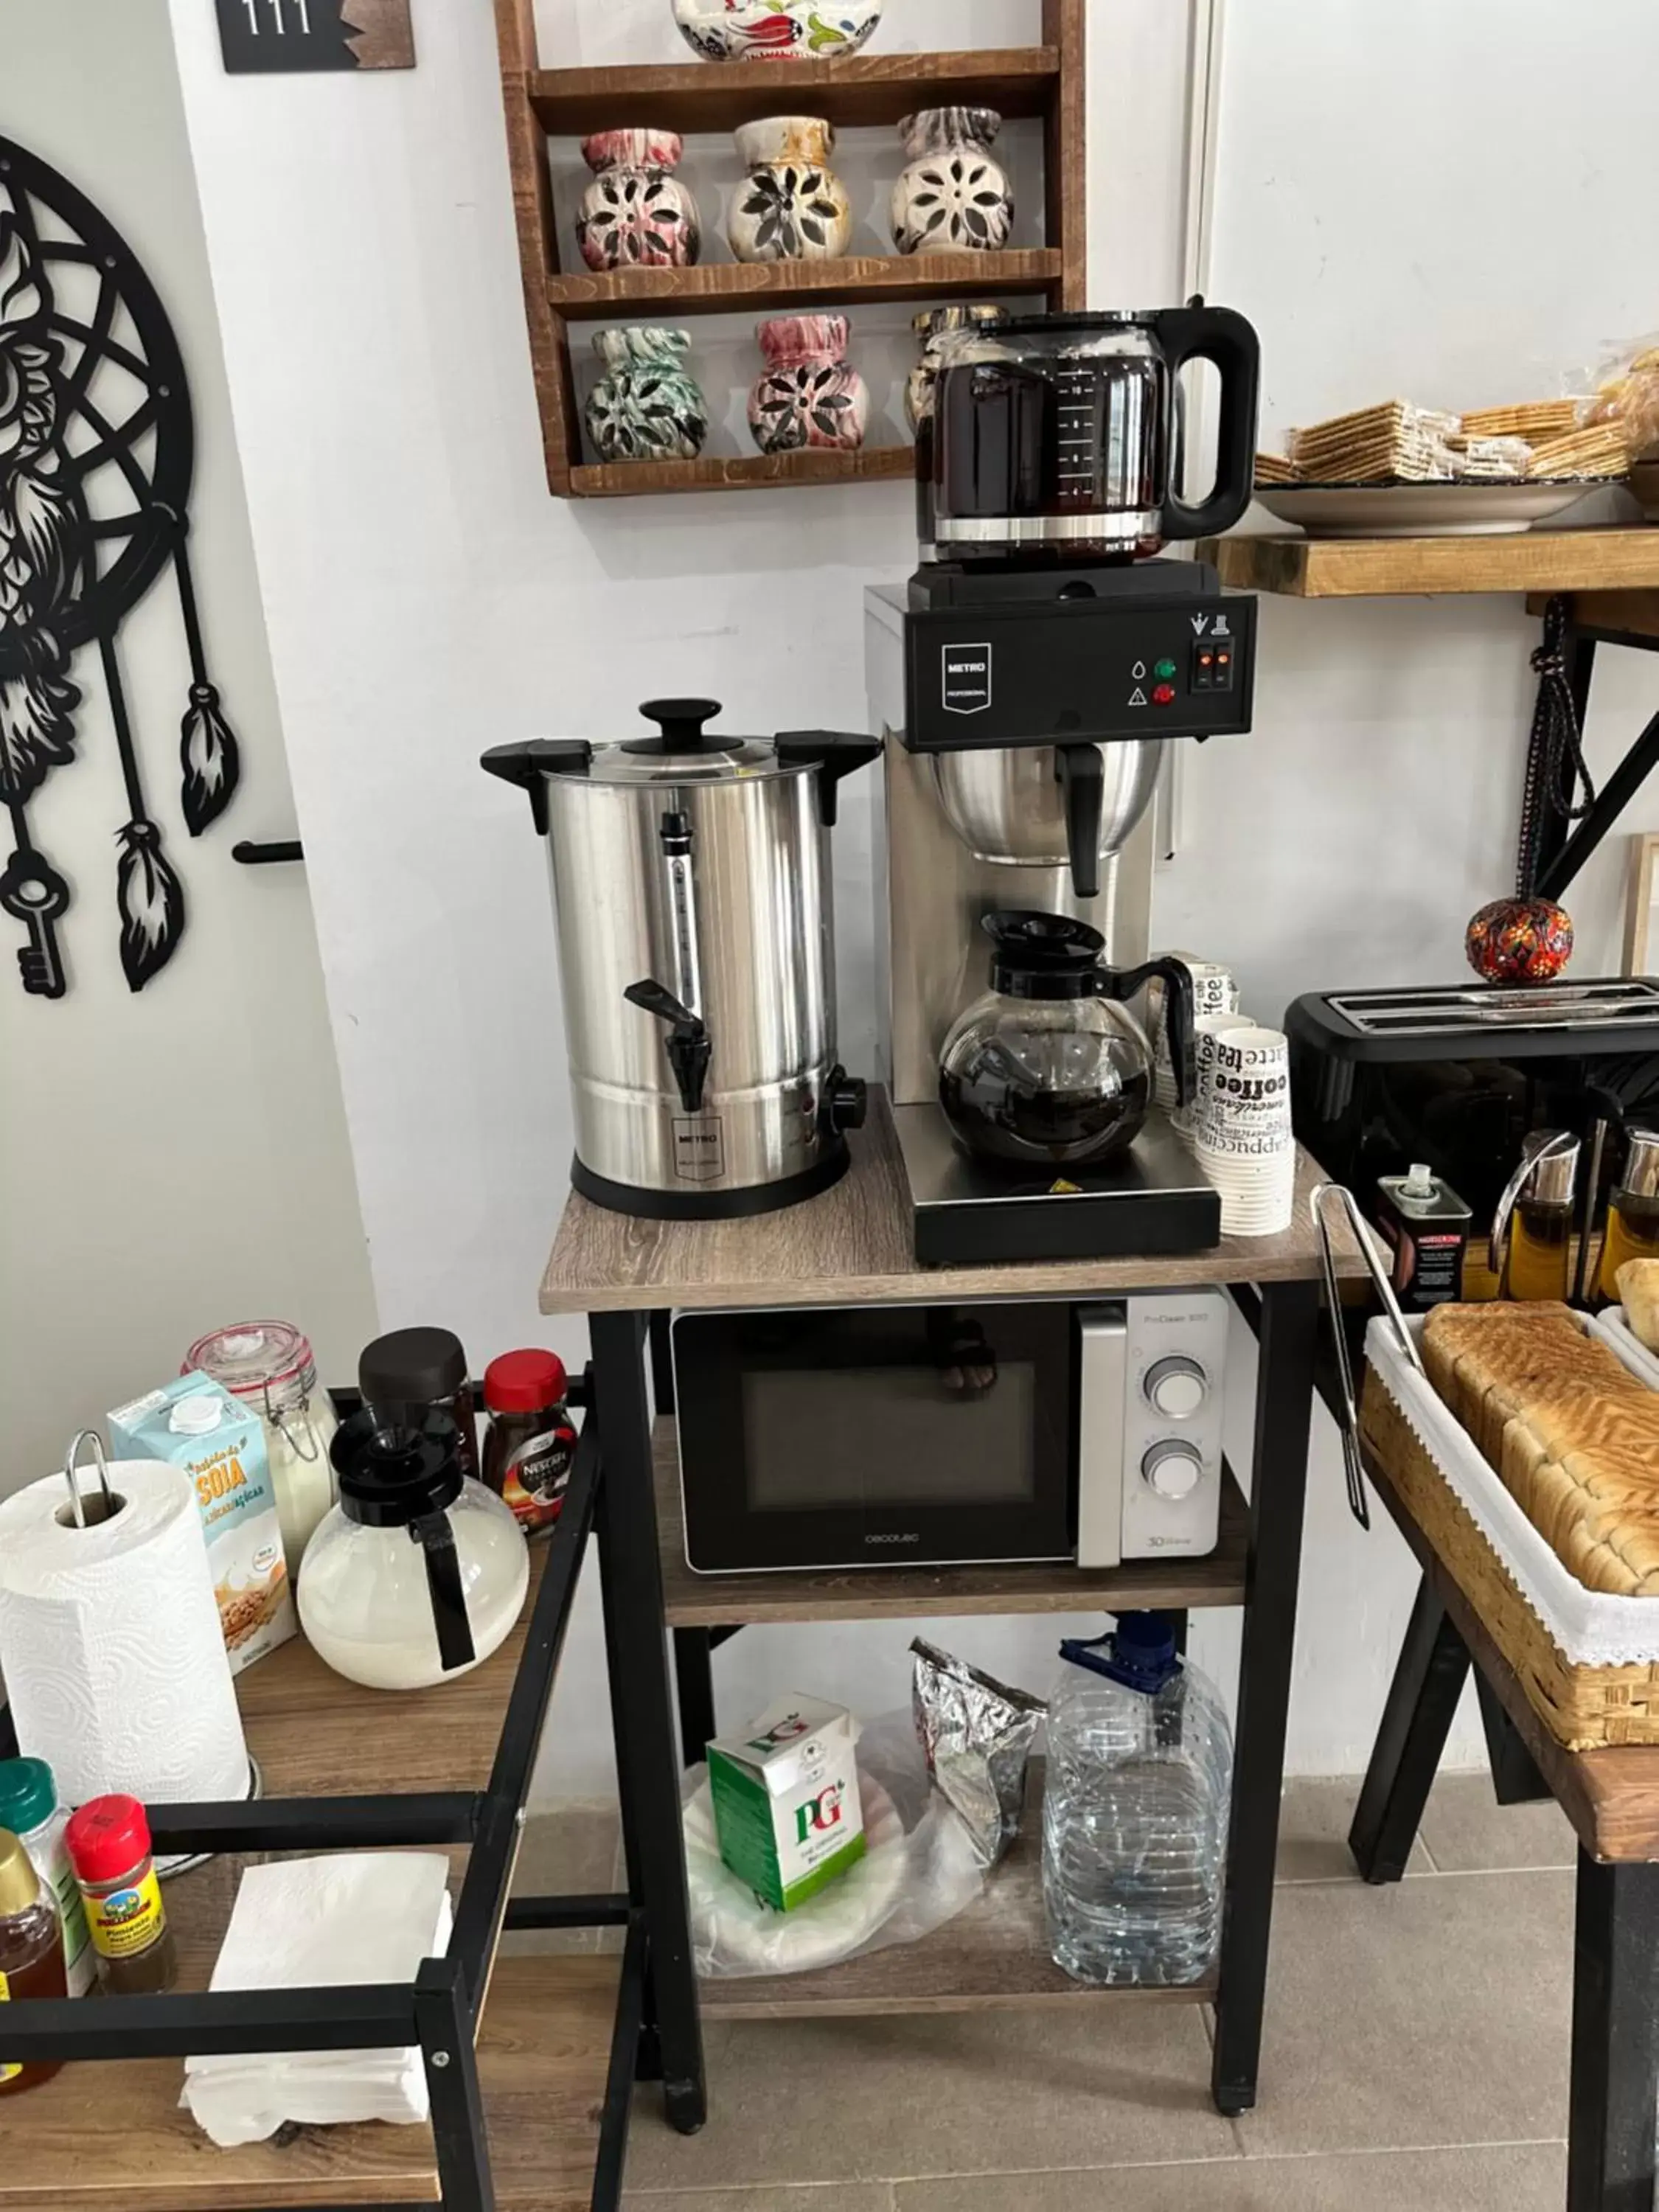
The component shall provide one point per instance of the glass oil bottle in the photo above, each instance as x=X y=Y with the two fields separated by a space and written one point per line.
x=1537 y=1212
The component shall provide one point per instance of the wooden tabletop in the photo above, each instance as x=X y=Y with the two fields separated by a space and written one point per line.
x=315 y=1735
x=853 y=1247
x=1610 y=1796
x=1546 y=561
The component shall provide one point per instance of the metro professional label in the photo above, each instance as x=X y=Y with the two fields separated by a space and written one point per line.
x=966 y=682
x=699 y=1148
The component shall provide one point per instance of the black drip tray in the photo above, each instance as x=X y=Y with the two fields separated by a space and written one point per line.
x=1152 y=1203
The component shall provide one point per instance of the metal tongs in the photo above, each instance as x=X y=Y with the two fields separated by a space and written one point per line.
x=1365 y=1237
x=111 y=1505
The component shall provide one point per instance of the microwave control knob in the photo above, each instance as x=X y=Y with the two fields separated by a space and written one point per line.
x=1176 y=1387
x=1173 y=1469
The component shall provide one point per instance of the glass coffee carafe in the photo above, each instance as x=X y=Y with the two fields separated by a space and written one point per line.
x=1049 y=1072
x=1054 y=435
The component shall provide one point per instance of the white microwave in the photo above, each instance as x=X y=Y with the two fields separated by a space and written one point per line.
x=880 y=1436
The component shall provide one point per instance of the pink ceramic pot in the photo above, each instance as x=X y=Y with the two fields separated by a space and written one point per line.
x=636 y=214
x=809 y=393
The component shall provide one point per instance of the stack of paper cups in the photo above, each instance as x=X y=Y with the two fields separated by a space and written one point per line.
x=1207 y=1030
x=1243 y=1139
x=1213 y=993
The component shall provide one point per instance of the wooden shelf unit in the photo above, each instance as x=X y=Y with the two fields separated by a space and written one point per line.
x=110 y=2135
x=1045 y=80
x=852 y=1246
x=996 y=1952
x=695 y=1600
x=1540 y=561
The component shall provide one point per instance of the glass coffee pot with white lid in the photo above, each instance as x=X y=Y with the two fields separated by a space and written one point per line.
x=1050 y=1070
x=419 y=1572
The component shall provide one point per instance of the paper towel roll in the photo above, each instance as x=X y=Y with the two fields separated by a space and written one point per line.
x=110 y=1643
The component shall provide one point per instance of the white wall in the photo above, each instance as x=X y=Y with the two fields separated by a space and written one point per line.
x=426 y=599
x=175 y=1159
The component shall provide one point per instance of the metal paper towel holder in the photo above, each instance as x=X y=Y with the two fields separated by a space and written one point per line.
x=82 y=1513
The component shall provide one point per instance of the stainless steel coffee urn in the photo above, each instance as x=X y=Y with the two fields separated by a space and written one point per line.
x=692 y=890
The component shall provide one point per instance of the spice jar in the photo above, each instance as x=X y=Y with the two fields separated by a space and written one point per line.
x=30 y=1811
x=109 y=1848
x=413 y=1372
x=270 y=1366
x=31 y=1953
x=530 y=1446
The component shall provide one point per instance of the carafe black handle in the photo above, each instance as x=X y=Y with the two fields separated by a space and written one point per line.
x=691 y=1047
x=1124 y=982
x=435 y=1534
x=1218 y=335
x=1081 y=775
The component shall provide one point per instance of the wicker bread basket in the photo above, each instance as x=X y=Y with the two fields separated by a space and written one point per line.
x=1585 y=1702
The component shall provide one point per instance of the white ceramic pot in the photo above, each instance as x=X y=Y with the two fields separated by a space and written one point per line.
x=793 y=207
x=953 y=196
x=776 y=30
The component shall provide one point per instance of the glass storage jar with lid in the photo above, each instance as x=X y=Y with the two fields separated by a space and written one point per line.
x=1054 y=436
x=270 y=1366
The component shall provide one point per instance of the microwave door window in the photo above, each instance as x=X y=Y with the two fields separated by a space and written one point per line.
x=878 y=1442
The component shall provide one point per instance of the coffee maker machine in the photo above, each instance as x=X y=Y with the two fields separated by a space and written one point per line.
x=1025 y=682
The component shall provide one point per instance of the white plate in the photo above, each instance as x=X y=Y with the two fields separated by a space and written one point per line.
x=1427 y=510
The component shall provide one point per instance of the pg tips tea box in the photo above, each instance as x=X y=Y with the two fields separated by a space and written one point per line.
x=195 y=1423
x=785 y=1794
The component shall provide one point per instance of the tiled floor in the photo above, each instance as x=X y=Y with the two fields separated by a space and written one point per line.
x=1416 y=2060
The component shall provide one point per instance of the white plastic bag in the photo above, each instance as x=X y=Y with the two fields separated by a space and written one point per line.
x=918 y=1871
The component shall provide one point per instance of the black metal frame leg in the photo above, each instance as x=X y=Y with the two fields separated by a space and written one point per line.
x=694 y=1679
x=1287 y=1334
x=1422 y=1702
x=1615 y=2038
x=459 y=2133
x=647 y=1773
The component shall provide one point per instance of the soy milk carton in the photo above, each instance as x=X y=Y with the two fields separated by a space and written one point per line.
x=194 y=1423
x=786 y=1792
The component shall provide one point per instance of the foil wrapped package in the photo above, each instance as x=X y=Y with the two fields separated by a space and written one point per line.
x=977 y=1735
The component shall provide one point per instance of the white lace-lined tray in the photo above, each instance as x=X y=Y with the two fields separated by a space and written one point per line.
x=1614 y=1327
x=1589 y=1627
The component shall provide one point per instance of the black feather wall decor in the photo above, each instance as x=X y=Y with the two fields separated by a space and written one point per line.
x=97 y=453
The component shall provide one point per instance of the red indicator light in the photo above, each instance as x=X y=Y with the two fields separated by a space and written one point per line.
x=1163 y=696
x=1204 y=658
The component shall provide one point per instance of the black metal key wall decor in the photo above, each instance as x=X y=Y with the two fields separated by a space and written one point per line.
x=96 y=458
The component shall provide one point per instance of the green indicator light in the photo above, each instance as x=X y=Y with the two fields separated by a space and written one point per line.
x=1164 y=669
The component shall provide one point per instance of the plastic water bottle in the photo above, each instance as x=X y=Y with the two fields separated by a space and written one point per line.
x=1135 y=1823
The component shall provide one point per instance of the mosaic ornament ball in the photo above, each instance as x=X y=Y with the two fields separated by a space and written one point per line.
x=1517 y=940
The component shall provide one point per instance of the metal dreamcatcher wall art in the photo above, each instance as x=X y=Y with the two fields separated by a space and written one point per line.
x=96 y=458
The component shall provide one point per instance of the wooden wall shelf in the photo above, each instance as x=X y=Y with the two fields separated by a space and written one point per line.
x=1045 y=80
x=741 y=472
x=870 y=89
x=724 y=288
x=1546 y=561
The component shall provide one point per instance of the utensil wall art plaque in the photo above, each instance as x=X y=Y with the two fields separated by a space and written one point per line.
x=97 y=444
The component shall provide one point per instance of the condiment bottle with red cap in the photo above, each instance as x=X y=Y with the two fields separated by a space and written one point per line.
x=108 y=1844
x=529 y=1445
